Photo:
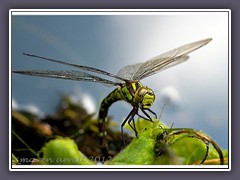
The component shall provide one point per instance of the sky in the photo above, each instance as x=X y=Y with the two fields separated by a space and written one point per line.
x=195 y=92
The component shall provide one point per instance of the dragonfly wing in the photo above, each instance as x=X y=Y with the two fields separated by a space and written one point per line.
x=163 y=61
x=127 y=72
x=149 y=68
x=70 y=75
x=86 y=68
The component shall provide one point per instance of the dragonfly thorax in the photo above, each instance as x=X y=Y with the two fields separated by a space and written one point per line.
x=144 y=97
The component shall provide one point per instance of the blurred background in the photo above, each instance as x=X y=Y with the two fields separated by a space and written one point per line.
x=195 y=92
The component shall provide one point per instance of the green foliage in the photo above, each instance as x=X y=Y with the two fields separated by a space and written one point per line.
x=77 y=141
x=156 y=146
x=151 y=147
x=139 y=151
x=63 y=151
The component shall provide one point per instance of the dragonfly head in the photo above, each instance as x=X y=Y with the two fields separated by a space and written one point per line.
x=144 y=97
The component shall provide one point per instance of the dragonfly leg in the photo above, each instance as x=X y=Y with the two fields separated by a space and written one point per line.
x=133 y=126
x=143 y=117
x=148 y=117
x=152 y=112
x=130 y=116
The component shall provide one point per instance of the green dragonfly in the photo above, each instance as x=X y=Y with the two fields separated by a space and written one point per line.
x=129 y=88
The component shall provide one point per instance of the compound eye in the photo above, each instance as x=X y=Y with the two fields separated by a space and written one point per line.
x=150 y=92
x=141 y=92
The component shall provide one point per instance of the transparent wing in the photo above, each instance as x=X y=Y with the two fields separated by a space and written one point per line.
x=130 y=72
x=86 y=68
x=70 y=75
x=161 y=62
x=127 y=72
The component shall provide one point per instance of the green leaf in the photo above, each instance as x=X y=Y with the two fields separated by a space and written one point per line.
x=158 y=144
x=63 y=151
x=141 y=150
x=190 y=149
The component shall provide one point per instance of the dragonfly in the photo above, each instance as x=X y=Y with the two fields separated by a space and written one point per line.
x=127 y=82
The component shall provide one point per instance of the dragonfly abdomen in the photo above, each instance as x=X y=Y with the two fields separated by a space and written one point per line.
x=126 y=93
x=103 y=111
